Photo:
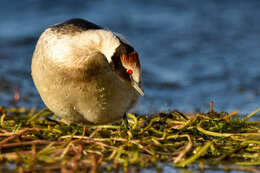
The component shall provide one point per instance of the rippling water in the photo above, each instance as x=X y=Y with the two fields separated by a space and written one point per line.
x=192 y=52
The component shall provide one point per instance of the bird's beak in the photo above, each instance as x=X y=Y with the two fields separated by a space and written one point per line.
x=136 y=86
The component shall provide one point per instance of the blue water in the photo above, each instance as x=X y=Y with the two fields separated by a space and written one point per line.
x=192 y=52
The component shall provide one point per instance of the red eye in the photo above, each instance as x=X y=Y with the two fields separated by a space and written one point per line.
x=130 y=72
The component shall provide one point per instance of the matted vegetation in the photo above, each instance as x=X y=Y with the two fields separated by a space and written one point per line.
x=37 y=142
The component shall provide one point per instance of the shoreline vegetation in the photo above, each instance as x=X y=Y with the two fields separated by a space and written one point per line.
x=33 y=141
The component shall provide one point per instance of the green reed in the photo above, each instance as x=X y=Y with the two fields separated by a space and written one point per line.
x=31 y=141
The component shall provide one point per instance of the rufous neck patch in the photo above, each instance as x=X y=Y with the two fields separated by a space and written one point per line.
x=131 y=59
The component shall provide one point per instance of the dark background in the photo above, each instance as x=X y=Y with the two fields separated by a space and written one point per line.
x=192 y=52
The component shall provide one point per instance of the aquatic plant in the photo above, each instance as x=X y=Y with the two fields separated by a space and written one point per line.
x=32 y=141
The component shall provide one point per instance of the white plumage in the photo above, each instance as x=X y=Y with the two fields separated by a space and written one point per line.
x=80 y=72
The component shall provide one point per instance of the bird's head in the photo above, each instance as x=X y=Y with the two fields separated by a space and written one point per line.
x=130 y=62
x=127 y=65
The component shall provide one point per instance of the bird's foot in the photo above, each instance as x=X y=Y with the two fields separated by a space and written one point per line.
x=125 y=124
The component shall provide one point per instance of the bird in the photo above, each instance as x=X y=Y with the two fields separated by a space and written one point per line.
x=86 y=73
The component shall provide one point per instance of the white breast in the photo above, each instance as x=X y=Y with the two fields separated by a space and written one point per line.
x=64 y=74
